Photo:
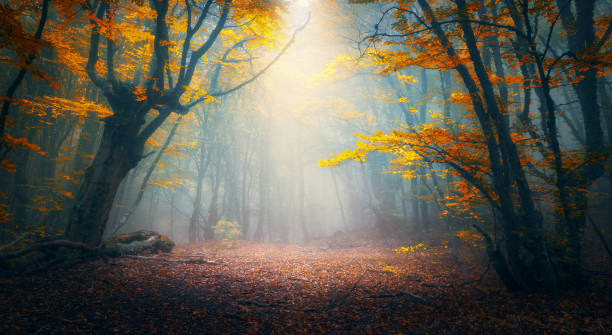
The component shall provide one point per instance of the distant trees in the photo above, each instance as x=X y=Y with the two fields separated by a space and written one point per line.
x=146 y=60
x=498 y=152
x=132 y=100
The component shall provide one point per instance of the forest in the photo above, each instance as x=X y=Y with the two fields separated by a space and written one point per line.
x=305 y=167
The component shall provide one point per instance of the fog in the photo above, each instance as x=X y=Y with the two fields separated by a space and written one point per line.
x=266 y=141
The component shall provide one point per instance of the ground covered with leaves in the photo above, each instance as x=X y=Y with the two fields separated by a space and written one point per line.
x=347 y=285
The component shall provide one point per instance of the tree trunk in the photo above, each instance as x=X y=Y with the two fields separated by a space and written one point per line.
x=301 y=199
x=194 y=221
x=344 y=223
x=245 y=189
x=263 y=190
x=213 y=210
x=120 y=150
x=505 y=165
x=145 y=181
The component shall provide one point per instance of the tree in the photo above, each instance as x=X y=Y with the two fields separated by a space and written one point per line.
x=133 y=120
x=460 y=35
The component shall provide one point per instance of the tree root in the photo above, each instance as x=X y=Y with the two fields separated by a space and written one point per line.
x=41 y=255
x=50 y=245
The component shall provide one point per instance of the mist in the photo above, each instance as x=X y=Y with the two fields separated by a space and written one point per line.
x=305 y=166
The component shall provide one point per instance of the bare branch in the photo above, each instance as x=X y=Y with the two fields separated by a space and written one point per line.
x=189 y=35
x=196 y=55
x=258 y=74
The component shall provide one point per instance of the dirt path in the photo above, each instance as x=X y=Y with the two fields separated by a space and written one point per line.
x=354 y=287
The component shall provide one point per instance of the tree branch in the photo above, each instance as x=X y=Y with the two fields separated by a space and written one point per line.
x=258 y=74
x=153 y=125
x=196 y=55
x=94 y=50
x=15 y=84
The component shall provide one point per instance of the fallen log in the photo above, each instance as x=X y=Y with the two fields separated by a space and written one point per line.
x=137 y=243
x=43 y=254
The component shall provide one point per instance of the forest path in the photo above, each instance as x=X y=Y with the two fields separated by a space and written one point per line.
x=347 y=285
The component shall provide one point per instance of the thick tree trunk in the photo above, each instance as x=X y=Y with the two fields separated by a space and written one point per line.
x=531 y=219
x=114 y=222
x=145 y=181
x=120 y=150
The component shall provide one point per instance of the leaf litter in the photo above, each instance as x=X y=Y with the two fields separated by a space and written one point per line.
x=357 y=285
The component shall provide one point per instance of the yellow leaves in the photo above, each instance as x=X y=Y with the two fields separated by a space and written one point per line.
x=337 y=159
x=227 y=230
x=134 y=34
x=403 y=100
x=210 y=98
x=411 y=249
x=389 y=268
x=407 y=158
x=61 y=107
x=229 y=36
x=409 y=174
x=437 y=116
x=344 y=65
x=406 y=78
x=461 y=98
x=140 y=93
x=407 y=145
x=197 y=92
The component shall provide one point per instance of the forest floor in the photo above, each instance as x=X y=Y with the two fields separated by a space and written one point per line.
x=349 y=285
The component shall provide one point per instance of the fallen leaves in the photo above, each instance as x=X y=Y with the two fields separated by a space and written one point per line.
x=287 y=289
